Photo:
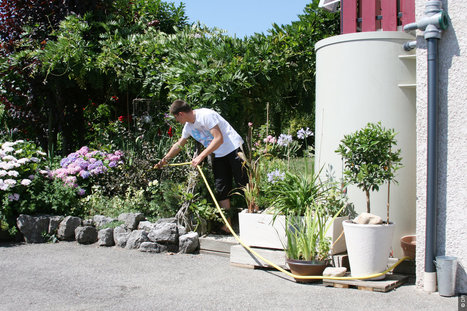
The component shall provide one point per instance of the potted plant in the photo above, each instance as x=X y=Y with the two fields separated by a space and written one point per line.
x=308 y=246
x=369 y=162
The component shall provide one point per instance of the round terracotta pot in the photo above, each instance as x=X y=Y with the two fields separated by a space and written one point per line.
x=308 y=268
x=408 y=244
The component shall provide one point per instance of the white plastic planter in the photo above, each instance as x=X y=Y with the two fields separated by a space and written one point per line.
x=368 y=248
x=259 y=230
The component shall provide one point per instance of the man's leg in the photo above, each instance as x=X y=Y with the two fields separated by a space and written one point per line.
x=225 y=205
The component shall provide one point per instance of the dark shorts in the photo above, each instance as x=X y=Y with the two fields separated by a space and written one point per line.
x=226 y=169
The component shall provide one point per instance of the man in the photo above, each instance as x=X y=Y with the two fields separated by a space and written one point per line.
x=218 y=137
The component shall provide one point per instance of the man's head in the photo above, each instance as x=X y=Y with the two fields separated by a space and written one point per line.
x=181 y=111
x=179 y=106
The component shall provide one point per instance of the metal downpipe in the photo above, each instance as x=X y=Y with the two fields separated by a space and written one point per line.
x=432 y=170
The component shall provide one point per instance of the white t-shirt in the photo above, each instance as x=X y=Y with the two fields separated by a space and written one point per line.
x=205 y=120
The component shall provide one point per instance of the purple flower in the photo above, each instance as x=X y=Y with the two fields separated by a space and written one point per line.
x=112 y=164
x=84 y=150
x=284 y=140
x=84 y=174
x=114 y=158
x=13 y=197
x=95 y=165
x=81 y=192
x=275 y=176
x=65 y=162
x=304 y=133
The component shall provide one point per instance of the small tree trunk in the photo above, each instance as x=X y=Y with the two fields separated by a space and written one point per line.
x=387 y=206
x=367 y=192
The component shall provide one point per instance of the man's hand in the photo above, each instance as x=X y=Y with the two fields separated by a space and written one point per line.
x=196 y=161
x=161 y=163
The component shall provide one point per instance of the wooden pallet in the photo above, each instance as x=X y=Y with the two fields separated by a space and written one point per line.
x=390 y=282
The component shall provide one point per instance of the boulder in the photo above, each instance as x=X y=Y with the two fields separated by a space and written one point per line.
x=164 y=233
x=34 y=229
x=101 y=220
x=88 y=222
x=106 y=237
x=162 y=221
x=86 y=234
x=146 y=225
x=152 y=247
x=135 y=239
x=54 y=223
x=66 y=229
x=131 y=220
x=367 y=218
x=181 y=230
x=121 y=235
x=188 y=243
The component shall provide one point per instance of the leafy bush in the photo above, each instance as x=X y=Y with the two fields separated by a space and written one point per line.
x=20 y=162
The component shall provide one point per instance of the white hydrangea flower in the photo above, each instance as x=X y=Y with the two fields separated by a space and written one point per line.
x=10 y=182
x=3 y=185
x=13 y=173
x=3 y=173
x=26 y=182
x=23 y=161
x=8 y=144
x=9 y=158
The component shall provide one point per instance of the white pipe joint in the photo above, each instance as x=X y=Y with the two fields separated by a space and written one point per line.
x=434 y=16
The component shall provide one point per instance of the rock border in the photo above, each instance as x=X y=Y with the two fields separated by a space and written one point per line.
x=134 y=232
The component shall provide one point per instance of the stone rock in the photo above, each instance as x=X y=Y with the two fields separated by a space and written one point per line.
x=135 y=239
x=162 y=221
x=146 y=225
x=101 y=220
x=106 y=237
x=164 y=233
x=33 y=228
x=86 y=234
x=188 y=243
x=152 y=247
x=88 y=222
x=335 y=271
x=367 y=218
x=181 y=230
x=66 y=229
x=54 y=223
x=121 y=235
x=131 y=220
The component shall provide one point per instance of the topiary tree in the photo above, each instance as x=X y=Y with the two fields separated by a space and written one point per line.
x=369 y=160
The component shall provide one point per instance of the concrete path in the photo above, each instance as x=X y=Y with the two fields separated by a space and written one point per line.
x=69 y=276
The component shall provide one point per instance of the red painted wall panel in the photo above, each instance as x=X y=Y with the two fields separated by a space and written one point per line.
x=349 y=16
x=389 y=13
x=368 y=10
x=408 y=11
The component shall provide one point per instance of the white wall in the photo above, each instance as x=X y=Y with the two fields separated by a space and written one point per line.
x=452 y=173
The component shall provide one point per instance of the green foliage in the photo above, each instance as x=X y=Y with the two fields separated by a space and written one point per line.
x=297 y=192
x=369 y=160
x=51 y=197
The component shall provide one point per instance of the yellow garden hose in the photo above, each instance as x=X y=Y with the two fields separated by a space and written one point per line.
x=302 y=277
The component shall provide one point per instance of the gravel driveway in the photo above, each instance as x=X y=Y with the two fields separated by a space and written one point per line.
x=69 y=276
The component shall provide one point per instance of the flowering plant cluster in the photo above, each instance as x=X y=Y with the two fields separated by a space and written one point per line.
x=83 y=164
x=19 y=161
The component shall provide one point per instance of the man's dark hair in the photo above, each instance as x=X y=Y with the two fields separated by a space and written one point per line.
x=179 y=106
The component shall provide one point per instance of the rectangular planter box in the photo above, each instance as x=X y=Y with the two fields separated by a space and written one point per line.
x=259 y=230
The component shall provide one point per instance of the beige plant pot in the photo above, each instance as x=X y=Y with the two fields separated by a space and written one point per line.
x=368 y=248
